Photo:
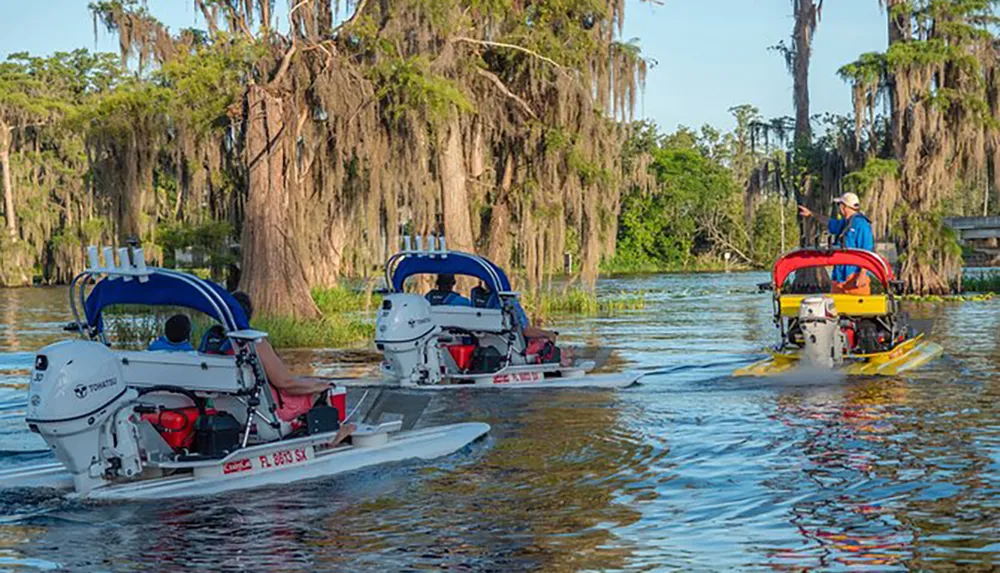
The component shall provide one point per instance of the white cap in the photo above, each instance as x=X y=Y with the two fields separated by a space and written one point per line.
x=849 y=199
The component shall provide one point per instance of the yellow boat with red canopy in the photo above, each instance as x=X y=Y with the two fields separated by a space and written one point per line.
x=859 y=332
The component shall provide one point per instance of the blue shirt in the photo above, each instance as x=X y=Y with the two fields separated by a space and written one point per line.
x=162 y=343
x=852 y=233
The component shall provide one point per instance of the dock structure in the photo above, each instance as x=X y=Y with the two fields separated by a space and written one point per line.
x=981 y=235
x=973 y=231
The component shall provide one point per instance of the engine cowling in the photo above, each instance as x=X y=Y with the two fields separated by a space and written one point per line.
x=76 y=390
x=403 y=329
x=823 y=339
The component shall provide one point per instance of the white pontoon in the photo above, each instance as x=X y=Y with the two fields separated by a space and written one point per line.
x=127 y=424
x=481 y=346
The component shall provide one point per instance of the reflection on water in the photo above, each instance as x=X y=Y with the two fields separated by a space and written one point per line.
x=692 y=470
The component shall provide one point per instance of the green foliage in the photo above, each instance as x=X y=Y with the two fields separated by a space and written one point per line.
x=874 y=171
x=409 y=84
x=867 y=70
x=659 y=230
x=341 y=299
x=583 y=302
x=206 y=83
x=982 y=283
x=767 y=246
x=210 y=239
x=326 y=332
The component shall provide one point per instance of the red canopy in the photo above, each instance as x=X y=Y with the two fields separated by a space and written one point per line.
x=805 y=258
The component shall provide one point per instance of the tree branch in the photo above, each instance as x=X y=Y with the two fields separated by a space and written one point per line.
x=506 y=91
x=357 y=10
x=510 y=46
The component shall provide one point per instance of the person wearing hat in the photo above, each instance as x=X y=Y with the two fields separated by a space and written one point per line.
x=851 y=231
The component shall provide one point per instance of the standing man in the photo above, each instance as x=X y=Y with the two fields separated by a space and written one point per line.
x=851 y=231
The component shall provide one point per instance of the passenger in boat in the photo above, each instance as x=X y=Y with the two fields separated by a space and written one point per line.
x=540 y=342
x=852 y=231
x=445 y=293
x=176 y=335
x=295 y=395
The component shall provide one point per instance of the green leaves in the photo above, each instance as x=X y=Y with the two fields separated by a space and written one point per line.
x=409 y=84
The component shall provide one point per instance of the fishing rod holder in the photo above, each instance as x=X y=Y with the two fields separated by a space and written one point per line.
x=131 y=263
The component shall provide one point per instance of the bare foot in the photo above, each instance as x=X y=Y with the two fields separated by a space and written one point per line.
x=566 y=357
x=342 y=433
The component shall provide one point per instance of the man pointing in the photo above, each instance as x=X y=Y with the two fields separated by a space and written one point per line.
x=852 y=231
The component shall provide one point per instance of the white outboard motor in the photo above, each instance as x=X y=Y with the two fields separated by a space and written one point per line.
x=404 y=332
x=77 y=401
x=824 y=341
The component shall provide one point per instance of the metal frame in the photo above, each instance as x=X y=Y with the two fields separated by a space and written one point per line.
x=245 y=352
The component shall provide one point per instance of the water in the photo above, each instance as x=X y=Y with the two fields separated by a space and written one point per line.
x=692 y=470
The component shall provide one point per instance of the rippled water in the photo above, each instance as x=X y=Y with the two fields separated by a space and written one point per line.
x=691 y=470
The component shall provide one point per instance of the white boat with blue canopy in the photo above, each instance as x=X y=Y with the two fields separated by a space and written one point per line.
x=481 y=344
x=141 y=424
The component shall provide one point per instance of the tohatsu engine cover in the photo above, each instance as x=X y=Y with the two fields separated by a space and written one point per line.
x=403 y=329
x=76 y=391
x=823 y=339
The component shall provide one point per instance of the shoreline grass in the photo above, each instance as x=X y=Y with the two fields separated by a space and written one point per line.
x=987 y=282
x=325 y=332
x=342 y=298
x=582 y=302
x=965 y=297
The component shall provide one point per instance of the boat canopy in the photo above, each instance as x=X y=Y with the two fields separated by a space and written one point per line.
x=409 y=263
x=166 y=288
x=806 y=258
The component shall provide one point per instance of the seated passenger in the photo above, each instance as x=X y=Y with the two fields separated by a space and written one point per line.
x=483 y=297
x=176 y=333
x=541 y=343
x=445 y=294
x=215 y=341
x=295 y=395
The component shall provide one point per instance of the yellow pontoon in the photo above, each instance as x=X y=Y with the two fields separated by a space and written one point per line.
x=858 y=334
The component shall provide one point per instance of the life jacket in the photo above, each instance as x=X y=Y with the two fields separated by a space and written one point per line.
x=163 y=343
x=444 y=297
x=839 y=239
x=215 y=341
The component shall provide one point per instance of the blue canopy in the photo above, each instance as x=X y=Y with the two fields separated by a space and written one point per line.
x=456 y=263
x=166 y=288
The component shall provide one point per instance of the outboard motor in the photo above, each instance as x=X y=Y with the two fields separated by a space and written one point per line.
x=823 y=340
x=404 y=332
x=77 y=402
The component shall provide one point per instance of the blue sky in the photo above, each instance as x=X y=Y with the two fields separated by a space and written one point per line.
x=711 y=55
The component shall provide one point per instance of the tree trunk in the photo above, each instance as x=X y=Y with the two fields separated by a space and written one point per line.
x=8 y=185
x=900 y=30
x=805 y=18
x=454 y=195
x=272 y=272
x=499 y=233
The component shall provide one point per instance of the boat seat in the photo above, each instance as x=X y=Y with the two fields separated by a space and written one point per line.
x=192 y=370
x=847 y=304
x=468 y=318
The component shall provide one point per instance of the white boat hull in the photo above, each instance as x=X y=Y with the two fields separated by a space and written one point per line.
x=243 y=470
x=512 y=380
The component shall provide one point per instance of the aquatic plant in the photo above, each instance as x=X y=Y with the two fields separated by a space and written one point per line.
x=582 y=302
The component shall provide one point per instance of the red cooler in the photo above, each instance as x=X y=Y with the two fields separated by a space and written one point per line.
x=462 y=353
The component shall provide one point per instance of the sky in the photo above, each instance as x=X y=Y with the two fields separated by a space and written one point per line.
x=711 y=55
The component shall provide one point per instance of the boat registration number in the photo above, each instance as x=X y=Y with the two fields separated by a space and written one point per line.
x=268 y=460
x=517 y=377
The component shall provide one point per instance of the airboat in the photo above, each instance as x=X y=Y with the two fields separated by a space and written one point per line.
x=441 y=347
x=857 y=334
x=140 y=424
